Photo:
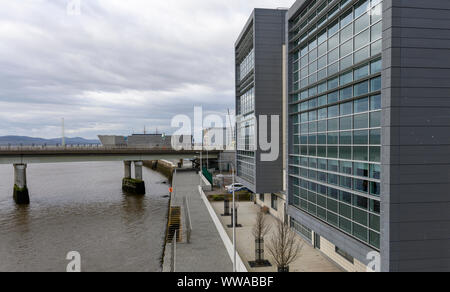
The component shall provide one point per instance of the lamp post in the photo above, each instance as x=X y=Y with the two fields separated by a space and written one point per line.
x=234 y=221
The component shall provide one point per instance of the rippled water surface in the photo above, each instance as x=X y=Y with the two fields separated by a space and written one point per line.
x=80 y=207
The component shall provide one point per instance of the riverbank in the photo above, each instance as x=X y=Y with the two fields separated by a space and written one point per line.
x=206 y=251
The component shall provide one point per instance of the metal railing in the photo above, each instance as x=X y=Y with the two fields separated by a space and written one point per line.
x=187 y=217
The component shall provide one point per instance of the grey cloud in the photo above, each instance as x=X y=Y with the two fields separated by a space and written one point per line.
x=118 y=66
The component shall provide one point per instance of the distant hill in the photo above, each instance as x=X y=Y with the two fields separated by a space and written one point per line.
x=27 y=141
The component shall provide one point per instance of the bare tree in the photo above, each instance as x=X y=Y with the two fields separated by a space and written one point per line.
x=261 y=227
x=284 y=247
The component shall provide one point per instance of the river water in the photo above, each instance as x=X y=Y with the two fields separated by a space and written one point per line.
x=80 y=207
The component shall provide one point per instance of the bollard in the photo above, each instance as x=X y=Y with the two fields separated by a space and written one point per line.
x=226 y=208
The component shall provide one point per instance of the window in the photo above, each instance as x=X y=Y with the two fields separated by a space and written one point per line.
x=361 y=7
x=361 y=105
x=361 y=72
x=362 y=39
x=345 y=255
x=346 y=18
x=347 y=108
x=346 y=48
x=375 y=84
x=362 y=23
x=346 y=93
x=346 y=78
x=261 y=197
x=361 y=88
x=376 y=31
x=274 y=202
x=375 y=102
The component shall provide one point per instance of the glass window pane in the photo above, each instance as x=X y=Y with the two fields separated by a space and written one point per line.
x=361 y=72
x=375 y=206
x=375 y=66
x=346 y=93
x=360 y=232
x=361 y=88
x=375 y=171
x=333 y=125
x=374 y=239
x=345 y=153
x=361 y=137
x=347 y=48
x=361 y=105
x=360 y=153
x=333 y=165
x=361 y=7
x=375 y=48
x=361 y=55
x=333 y=97
x=346 y=78
x=322 y=49
x=361 y=121
x=346 y=167
x=333 y=83
x=361 y=169
x=361 y=202
x=375 y=154
x=376 y=13
x=346 y=62
x=346 y=18
x=375 y=102
x=345 y=224
x=333 y=69
x=333 y=42
x=376 y=31
x=362 y=39
x=333 y=138
x=346 y=108
x=360 y=216
x=375 y=137
x=333 y=28
x=375 y=119
x=374 y=222
x=362 y=23
x=333 y=56
x=345 y=137
x=346 y=33
x=322 y=100
x=322 y=36
x=375 y=84
x=332 y=153
x=333 y=111
x=375 y=189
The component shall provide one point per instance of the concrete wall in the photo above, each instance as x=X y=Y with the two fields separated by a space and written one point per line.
x=280 y=212
x=416 y=136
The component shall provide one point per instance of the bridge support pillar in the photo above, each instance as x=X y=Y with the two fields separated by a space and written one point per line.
x=138 y=169
x=127 y=169
x=21 y=195
x=134 y=186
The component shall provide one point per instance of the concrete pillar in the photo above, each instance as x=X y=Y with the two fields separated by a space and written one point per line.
x=138 y=170
x=127 y=168
x=21 y=195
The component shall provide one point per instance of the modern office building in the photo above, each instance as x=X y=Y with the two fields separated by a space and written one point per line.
x=369 y=130
x=259 y=91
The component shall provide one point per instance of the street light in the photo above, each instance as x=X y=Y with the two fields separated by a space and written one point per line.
x=234 y=220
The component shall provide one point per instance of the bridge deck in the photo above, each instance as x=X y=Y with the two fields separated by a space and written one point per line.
x=30 y=155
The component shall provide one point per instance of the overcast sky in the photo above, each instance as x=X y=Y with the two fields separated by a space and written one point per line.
x=118 y=66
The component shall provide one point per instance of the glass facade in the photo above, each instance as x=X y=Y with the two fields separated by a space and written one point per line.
x=335 y=115
x=245 y=119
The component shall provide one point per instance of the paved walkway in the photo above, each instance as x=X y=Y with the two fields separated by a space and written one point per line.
x=206 y=252
x=310 y=260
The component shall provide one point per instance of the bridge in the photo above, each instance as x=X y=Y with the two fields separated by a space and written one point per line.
x=20 y=157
